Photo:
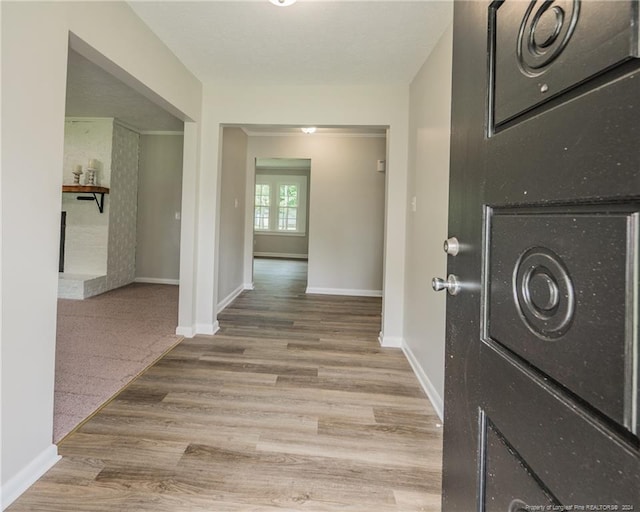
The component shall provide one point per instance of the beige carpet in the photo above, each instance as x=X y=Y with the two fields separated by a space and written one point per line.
x=105 y=341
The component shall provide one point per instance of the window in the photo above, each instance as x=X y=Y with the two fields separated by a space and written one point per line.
x=263 y=205
x=280 y=204
x=288 y=208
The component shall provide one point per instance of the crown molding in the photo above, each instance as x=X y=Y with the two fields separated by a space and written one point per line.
x=329 y=135
x=161 y=132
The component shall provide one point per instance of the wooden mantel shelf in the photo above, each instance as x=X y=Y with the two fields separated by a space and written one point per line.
x=79 y=189
x=88 y=189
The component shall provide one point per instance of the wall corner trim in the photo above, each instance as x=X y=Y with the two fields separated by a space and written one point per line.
x=249 y=286
x=188 y=331
x=207 y=329
x=425 y=382
x=230 y=298
x=27 y=476
x=390 y=341
x=344 y=291
x=161 y=132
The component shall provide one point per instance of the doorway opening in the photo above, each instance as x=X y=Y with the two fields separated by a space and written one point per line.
x=281 y=211
x=118 y=299
x=340 y=229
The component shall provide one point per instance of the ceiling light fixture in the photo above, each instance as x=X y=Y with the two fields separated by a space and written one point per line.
x=283 y=3
x=309 y=130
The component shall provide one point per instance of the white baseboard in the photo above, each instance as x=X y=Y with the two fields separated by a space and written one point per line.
x=425 y=382
x=189 y=331
x=186 y=331
x=344 y=291
x=25 y=478
x=208 y=329
x=390 y=341
x=230 y=298
x=249 y=286
x=286 y=255
x=156 y=280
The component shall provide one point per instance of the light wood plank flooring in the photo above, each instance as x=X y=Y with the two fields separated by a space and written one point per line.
x=292 y=406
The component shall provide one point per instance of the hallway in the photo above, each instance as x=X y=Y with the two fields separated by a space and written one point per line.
x=293 y=405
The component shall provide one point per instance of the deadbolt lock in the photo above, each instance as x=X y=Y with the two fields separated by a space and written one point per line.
x=451 y=246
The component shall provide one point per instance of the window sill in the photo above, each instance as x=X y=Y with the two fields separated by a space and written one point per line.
x=277 y=233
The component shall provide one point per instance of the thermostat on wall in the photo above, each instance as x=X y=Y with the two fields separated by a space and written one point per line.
x=381 y=165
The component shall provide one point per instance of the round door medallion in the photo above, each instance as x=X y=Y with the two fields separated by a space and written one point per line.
x=544 y=293
x=544 y=33
x=546 y=27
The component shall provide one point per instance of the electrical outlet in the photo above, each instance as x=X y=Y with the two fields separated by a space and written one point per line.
x=414 y=202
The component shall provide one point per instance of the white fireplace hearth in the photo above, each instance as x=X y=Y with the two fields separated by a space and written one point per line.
x=80 y=286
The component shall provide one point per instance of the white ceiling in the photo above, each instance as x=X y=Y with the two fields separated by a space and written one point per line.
x=92 y=92
x=313 y=42
x=319 y=42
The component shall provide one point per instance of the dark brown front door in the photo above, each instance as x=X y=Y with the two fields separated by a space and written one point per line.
x=541 y=386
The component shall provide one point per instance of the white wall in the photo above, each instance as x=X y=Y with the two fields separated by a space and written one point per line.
x=303 y=106
x=87 y=232
x=346 y=207
x=35 y=39
x=104 y=243
x=159 y=200
x=232 y=215
x=430 y=128
x=281 y=246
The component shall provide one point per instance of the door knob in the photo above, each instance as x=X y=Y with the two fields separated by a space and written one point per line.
x=451 y=284
x=451 y=246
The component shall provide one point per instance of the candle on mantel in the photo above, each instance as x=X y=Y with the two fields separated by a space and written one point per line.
x=77 y=171
x=93 y=164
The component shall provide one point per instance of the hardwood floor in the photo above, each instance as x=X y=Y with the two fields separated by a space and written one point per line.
x=293 y=405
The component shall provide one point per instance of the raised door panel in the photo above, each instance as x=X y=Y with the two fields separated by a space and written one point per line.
x=546 y=48
x=563 y=289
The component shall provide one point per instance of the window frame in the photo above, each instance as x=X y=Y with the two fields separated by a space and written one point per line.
x=275 y=181
x=268 y=206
